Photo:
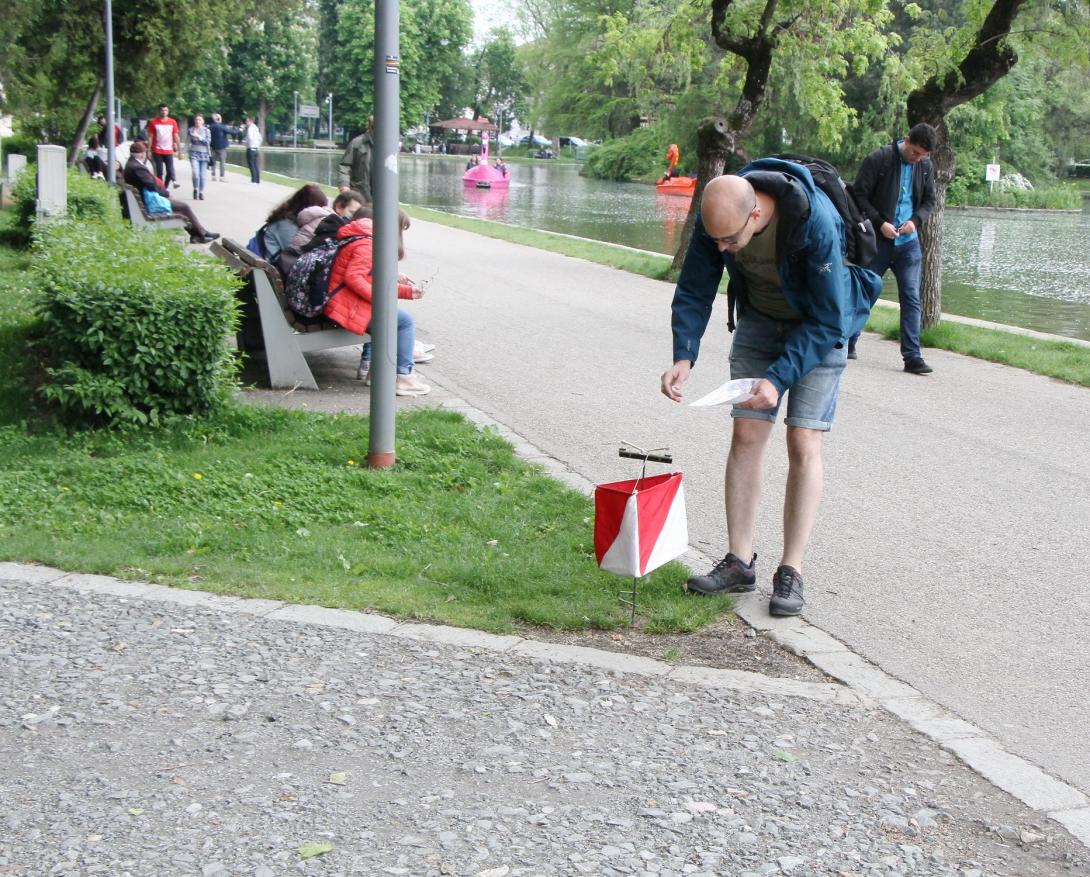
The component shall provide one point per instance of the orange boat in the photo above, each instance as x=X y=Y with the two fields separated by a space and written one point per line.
x=677 y=185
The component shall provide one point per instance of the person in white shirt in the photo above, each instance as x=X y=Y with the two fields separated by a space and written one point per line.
x=252 y=136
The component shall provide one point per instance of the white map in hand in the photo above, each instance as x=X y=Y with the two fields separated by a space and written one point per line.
x=729 y=393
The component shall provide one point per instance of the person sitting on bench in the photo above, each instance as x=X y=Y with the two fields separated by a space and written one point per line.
x=139 y=176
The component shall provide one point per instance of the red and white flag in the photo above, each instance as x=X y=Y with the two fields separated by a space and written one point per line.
x=639 y=525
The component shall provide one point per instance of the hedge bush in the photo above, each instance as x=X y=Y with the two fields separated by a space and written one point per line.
x=21 y=144
x=134 y=326
x=88 y=200
x=25 y=194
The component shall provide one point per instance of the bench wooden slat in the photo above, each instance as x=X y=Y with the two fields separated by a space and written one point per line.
x=139 y=217
x=285 y=341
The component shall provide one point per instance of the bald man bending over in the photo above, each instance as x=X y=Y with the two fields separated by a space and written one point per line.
x=781 y=242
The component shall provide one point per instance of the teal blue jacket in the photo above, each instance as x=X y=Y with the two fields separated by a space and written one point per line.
x=833 y=298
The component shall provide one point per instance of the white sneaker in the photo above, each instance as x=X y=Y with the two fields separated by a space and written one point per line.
x=411 y=385
x=422 y=347
x=422 y=357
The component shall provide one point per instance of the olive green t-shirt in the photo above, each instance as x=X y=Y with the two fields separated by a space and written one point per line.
x=756 y=262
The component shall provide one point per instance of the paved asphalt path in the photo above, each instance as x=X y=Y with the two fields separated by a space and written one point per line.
x=951 y=541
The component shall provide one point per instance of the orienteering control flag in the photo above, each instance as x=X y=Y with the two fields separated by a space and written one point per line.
x=639 y=525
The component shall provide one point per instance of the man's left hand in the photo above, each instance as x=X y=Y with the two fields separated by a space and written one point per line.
x=907 y=228
x=765 y=395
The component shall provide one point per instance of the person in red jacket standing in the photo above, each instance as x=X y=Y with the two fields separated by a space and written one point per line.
x=350 y=303
x=164 y=141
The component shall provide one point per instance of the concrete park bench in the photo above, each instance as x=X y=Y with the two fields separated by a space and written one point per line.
x=286 y=336
x=133 y=206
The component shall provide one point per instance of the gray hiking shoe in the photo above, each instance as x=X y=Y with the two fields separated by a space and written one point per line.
x=786 y=592
x=729 y=576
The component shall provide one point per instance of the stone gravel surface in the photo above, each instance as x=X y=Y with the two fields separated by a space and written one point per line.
x=143 y=738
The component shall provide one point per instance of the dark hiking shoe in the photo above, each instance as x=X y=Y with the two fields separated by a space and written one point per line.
x=917 y=367
x=786 y=592
x=851 y=351
x=729 y=576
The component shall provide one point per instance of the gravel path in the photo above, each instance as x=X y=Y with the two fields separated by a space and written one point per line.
x=154 y=738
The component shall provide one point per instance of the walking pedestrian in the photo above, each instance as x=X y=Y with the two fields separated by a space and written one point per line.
x=163 y=137
x=253 y=139
x=199 y=139
x=895 y=187
x=355 y=166
x=218 y=146
x=782 y=243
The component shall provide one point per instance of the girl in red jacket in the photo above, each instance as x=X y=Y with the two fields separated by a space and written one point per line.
x=350 y=306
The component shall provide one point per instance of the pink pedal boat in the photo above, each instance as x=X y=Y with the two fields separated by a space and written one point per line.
x=483 y=175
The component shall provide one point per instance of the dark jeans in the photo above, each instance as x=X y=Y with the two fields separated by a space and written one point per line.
x=254 y=161
x=161 y=162
x=905 y=262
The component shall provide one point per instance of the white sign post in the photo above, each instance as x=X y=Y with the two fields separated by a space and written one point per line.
x=52 y=181
x=991 y=174
x=16 y=166
x=308 y=111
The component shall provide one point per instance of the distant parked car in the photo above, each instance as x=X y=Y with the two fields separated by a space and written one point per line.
x=573 y=141
x=538 y=140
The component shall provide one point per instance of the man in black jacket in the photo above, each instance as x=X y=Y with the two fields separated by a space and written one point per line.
x=896 y=189
x=139 y=176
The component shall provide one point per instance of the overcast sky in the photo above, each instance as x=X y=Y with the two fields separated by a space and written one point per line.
x=492 y=13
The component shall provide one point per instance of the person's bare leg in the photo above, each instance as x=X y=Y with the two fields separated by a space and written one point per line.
x=805 y=482
x=744 y=478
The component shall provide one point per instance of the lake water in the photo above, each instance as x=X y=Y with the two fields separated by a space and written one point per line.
x=1030 y=270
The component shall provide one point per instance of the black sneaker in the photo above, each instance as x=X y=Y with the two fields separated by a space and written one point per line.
x=851 y=351
x=917 y=366
x=729 y=576
x=786 y=592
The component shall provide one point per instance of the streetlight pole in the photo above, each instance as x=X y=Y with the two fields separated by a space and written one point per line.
x=329 y=98
x=294 y=120
x=380 y=451
x=111 y=137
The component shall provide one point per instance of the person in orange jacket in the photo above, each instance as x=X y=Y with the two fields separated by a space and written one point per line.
x=673 y=156
x=350 y=304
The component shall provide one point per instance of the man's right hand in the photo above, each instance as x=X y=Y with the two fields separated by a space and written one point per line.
x=888 y=230
x=342 y=188
x=674 y=378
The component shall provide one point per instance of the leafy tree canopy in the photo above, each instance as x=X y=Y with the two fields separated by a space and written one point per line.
x=434 y=34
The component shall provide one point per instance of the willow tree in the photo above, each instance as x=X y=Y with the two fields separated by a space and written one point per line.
x=973 y=59
x=810 y=47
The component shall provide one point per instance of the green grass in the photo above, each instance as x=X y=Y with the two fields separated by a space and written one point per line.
x=276 y=504
x=634 y=261
x=1059 y=197
x=1055 y=359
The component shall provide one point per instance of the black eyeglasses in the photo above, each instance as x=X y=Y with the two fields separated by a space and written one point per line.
x=732 y=239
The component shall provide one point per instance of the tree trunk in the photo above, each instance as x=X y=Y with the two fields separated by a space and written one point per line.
x=718 y=138
x=85 y=123
x=931 y=235
x=262 y=118
x=715 y=142
x=987 y=61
